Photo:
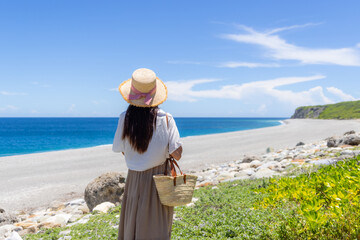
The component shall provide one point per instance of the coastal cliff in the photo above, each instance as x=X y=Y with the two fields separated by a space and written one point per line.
x=342 y=110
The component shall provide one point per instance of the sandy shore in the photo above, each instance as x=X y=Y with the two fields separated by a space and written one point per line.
x=34 y=180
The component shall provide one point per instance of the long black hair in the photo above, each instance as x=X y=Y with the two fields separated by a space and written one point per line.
x=139 y=126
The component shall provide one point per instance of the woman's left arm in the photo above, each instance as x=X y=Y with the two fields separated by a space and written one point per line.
x=177 y=153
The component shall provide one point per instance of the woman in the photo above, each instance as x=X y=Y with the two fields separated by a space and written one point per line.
x=145 y=135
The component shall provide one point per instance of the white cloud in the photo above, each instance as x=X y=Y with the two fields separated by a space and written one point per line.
x=5 y=93
x=8 y=108
x=252 y=91
x=247 y=64
x=276 y=30
x=339 y=93
x=182 y=91
x=280 y=49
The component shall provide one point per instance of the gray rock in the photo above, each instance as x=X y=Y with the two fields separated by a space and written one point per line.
x=264 y=172
x=347 y=152
x=236 y=178
x=356 y=152
x=7 y=218
x=244 y=173
x=351 y=139
x=14 y=236
x=300 y=144
x=349 y=132
x=108 y=187
x=6 y=230
x=301 y=156
x=76 y=202
x=248 y=159
x=103 y=207
x=285 y=162
x=243 y=166
x=332 y=142
x=323 y=161
x=270 y=165
x=319 y=154
x=225 y=175
x=256 y=163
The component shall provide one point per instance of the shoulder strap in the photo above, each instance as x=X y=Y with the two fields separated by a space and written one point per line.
x=170 y=160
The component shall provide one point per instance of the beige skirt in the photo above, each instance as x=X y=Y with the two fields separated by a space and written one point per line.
x=142 y=214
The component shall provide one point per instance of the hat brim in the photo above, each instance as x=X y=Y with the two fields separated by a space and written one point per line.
x=158 y=98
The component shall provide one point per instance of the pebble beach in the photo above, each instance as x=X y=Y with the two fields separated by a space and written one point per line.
x=41 y=186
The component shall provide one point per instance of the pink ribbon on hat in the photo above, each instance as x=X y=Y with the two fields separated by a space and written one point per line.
x=136 y=94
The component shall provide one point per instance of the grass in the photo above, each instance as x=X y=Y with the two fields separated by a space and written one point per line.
x=235 y=210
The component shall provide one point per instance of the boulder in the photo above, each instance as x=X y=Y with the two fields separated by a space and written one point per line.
x=7 y=218
x=332 y=142
x=106 y=188
x=351 y=139
x=103 y=207
x=300 y=144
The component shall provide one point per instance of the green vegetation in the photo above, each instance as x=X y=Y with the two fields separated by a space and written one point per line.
x=314 y=205
x=342 y=110
x=328 y=202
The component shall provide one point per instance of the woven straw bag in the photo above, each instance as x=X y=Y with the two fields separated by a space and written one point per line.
x=174 y=190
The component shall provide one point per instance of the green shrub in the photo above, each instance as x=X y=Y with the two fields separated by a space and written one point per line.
x=328 y=201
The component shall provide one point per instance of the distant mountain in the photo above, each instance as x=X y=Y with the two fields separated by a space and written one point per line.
x=342 y=110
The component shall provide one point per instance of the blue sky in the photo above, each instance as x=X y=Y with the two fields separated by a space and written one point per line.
x=218 y=58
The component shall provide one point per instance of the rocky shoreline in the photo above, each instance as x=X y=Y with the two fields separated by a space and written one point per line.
x=289 y=161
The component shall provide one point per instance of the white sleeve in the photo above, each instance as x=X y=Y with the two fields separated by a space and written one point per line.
x=174 y=136
x=118 y=144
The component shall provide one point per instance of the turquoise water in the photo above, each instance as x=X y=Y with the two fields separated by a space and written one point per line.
x=31 y=135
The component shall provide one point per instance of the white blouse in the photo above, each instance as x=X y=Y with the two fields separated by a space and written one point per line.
x=165 y=140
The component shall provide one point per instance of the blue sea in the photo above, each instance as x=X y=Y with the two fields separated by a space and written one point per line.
x=31 y=135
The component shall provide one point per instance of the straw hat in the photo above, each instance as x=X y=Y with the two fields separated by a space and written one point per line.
x=143 y=89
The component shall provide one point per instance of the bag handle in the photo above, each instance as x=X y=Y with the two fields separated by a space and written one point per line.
x=170 y=160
